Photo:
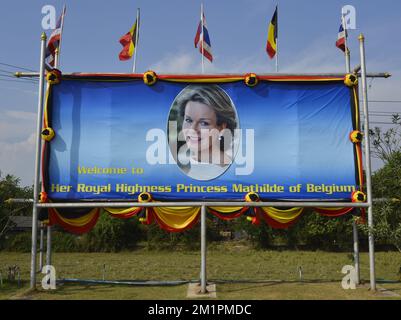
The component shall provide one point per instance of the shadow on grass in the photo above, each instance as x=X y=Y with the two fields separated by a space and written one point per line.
x=232 y=289
x=274 y=281
x=394 y=289
x=261 y=285
x=71 y=289
x=8 y=289
x=267 y=283
x=67 y=289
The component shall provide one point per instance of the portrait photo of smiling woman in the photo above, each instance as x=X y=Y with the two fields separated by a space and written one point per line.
x=202 y=125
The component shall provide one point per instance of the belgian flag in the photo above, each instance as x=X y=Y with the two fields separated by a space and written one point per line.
x=271 y=46
x=128 y=41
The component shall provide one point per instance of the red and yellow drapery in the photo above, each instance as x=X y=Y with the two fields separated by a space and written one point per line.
x=178 y=219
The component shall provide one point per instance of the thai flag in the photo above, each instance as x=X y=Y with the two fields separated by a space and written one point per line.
x=54 y=40
x=340 y=43
x=202 y=40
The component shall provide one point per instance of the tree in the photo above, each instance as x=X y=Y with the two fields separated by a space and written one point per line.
x=10 y=188
x=386 y=185
x=386 y=143
x=386 y=182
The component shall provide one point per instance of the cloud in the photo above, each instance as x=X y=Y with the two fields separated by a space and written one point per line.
x=31 y=92
x=317 y=57
x=182 y=62
x=17 y=143
x=22 y=115
x=18 y=159
x=187 y=62
x=16 y=126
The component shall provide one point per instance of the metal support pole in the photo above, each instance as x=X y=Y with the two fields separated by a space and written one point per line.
x=37 y=162
x=195 y=204
x=339 y=75
x=203 y=249
x=41 y=247
x=49 y=246
x=347 y=60
x=367 y=161
x=356 y=253
x=279 y=204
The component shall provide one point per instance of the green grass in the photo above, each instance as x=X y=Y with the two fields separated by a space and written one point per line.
x=233 y=261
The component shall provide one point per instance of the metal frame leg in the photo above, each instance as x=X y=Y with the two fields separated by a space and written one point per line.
x=203 y=250
x=49 y=246
x=41 y=246
x=356 y=252
x=367 y=161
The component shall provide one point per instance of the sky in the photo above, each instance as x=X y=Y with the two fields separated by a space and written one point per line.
x=238 y=31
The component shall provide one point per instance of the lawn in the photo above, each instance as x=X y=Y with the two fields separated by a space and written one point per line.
x=235 y=268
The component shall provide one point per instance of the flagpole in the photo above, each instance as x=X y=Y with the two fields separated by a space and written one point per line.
x=58 y=50
x=56 y=65
x=277 y=55
x=136 y=40
x=202 y=40
x=56 y=53
x=203 y=283
x=347 y=52
x=36 y=185
x=277 y=38
x=347 y=56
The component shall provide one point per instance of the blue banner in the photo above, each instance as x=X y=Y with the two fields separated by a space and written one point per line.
x=187 y=141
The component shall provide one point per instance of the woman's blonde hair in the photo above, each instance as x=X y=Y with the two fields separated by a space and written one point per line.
x=214 y=97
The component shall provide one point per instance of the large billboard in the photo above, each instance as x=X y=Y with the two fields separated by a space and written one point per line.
x=191 y=138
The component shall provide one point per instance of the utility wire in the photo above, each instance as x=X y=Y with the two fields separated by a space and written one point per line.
x=15 y=78
x=380 y=115
x=382 y=112
x=384 y=101
x=6 y=75
x=19 y=81
x=13 y=66
x=7 y=71
x=10 y=74
x=378 y=122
